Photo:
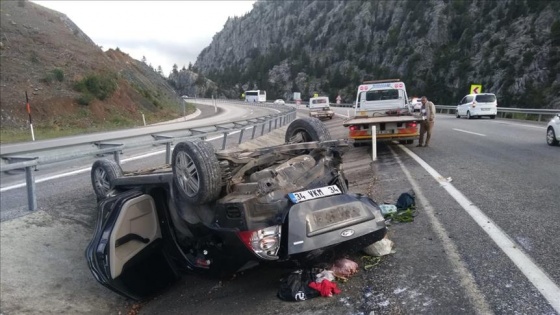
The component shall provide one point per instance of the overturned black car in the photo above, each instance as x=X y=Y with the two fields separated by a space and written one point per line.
x=218 y=213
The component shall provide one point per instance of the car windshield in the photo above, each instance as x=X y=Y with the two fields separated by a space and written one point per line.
x=486 y=98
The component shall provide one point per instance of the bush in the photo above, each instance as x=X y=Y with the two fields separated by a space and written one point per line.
x=100 y=86
x=85 y=99
x=58 y=74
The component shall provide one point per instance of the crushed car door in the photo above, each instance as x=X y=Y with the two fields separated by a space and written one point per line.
x=126 y=253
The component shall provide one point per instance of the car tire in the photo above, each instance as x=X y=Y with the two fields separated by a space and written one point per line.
x=103 y=172
x=306 y=130
x=493 y=117
x=458 y=116
x=197 y=175
x=469 y=115
x=551 y=137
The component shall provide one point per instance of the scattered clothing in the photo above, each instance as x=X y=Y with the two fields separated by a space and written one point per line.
x=324 y=275
x=325 y=287
x=344 y=268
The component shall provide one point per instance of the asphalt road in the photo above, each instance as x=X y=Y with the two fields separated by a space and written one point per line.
x=444 y=261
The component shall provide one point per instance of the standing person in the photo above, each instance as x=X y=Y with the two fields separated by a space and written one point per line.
x=428 y=112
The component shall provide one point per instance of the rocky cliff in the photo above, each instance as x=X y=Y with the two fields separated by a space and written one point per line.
x=437 y=47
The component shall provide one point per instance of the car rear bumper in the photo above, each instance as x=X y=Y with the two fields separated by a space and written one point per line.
x=330 y=221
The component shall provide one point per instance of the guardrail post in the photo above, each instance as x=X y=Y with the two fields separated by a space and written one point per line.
x=262 y=129
x=241 y=135
x=116 y=153
x=275 y=122
x=225 y=139
x=253 y=133
x=30 y=183
x=117 y=157
x=373 y=143
x=168 y=153
x=269 y=125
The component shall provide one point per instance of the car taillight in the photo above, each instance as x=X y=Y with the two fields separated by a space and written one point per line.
x=353 y=128
x=411 y=125
x=265 y=243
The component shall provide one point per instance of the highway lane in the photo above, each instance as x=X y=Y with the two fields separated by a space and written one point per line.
x=507 y=170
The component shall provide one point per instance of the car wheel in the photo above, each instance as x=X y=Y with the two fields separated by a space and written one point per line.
x=306 y=130
x=469 y=115
x=103 y=172
x=458 y=116
x=551 y=137
x=493 y=117
x=197 y=173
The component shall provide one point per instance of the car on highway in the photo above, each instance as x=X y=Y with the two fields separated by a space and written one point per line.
x=279 y=102
x=478 y=105
x=221 y=212
x=553 y=131
x=416 y=104
x=319 y=107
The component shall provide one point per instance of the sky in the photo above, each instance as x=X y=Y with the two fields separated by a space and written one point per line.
x=165 y=32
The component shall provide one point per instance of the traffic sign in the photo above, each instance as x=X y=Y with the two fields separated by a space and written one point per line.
x=476 y=88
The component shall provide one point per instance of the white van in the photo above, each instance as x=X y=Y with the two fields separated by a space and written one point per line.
x=478 y=105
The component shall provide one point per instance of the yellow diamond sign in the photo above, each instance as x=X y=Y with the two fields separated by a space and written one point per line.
x=476 y=88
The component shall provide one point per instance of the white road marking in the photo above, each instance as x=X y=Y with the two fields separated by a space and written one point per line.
x=467 y=279
x=541 y=281
x=473 y=133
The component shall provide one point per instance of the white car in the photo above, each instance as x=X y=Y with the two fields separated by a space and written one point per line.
x=553 y=131
x=279 y=102
x=416 y=104
x=478 y=105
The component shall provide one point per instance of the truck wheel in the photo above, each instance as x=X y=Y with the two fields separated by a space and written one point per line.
x=306 y=130
x=196 y=172
x=103 y=172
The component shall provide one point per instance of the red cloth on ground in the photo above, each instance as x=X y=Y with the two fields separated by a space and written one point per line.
x=326 y=287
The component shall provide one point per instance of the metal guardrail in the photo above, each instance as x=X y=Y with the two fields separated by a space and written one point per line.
x=33 y=159
x=504 y=111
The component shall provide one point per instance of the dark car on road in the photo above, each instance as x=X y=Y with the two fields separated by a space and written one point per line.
x=217 y=213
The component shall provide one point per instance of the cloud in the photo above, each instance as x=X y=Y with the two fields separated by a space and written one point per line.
x=165 y=32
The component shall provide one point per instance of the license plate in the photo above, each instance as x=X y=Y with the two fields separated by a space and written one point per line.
x=485 y=108
x=310 y=194
x=384 y=131
x=328 y=217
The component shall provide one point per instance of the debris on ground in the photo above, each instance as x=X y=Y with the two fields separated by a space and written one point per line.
x=404 y=210
x=380 y=248
x=295 y=286
x=370 y=262
x=344 y=268
x=326 y=288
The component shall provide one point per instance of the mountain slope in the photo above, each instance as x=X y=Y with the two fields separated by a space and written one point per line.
x=72 y=84
x=438 y=48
